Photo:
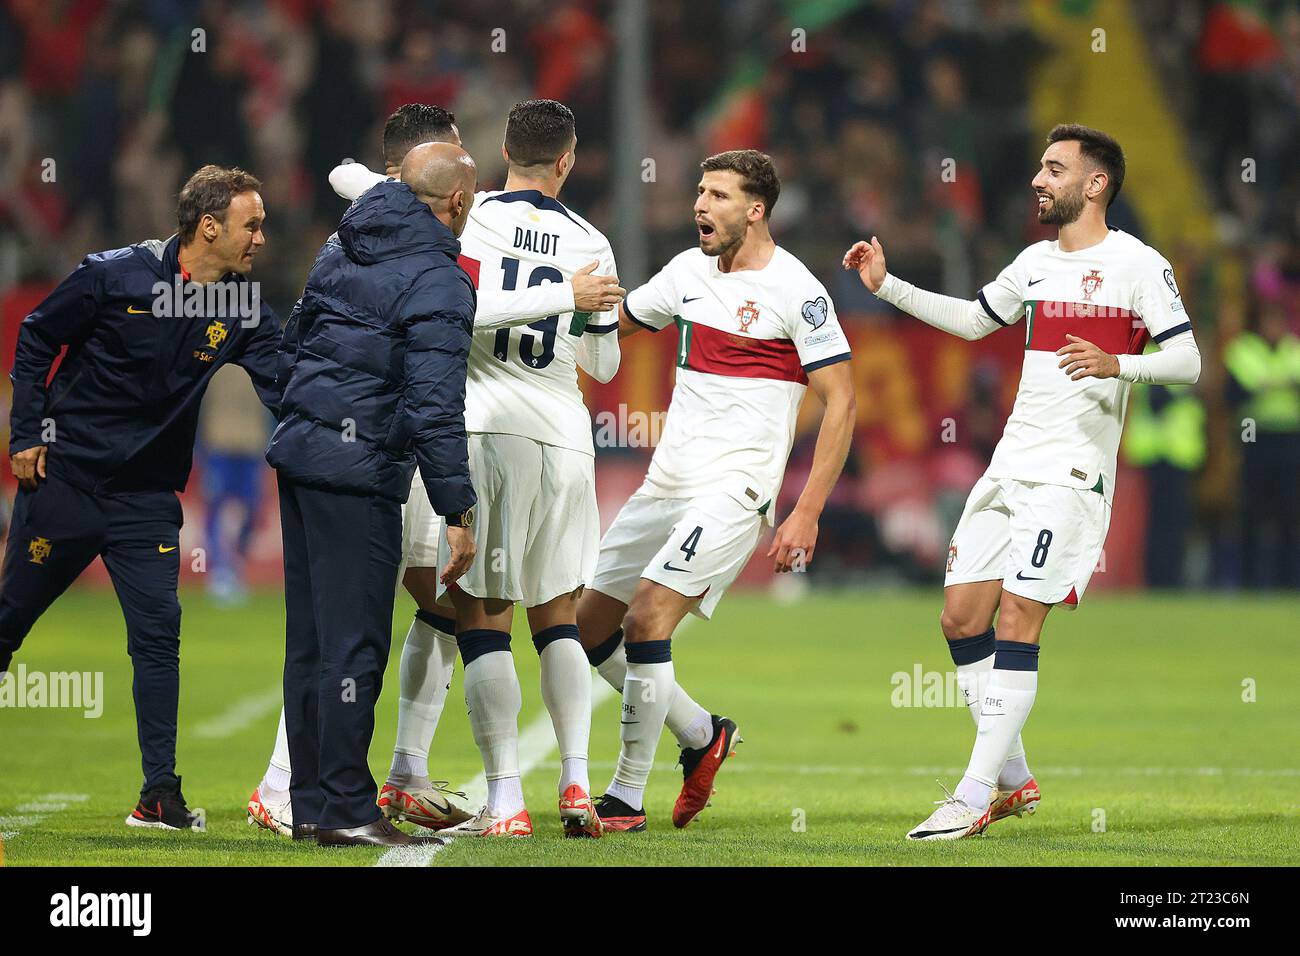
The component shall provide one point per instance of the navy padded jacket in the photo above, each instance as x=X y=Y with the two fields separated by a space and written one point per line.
x=373 y=358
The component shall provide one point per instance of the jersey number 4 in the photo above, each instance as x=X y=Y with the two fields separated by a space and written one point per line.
x=547 y=326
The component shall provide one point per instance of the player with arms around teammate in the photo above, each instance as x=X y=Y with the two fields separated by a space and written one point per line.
x=1033 y=527
x=429 y=651
x=533 y=464
x=755 y=331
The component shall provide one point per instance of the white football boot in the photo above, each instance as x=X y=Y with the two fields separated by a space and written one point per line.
x=428 y=807
x=484 y=824
x=276 y=817
x=953 y=820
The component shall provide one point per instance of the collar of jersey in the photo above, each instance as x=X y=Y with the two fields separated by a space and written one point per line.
x=536 y=198
x=718 y=273
x=1091 y=250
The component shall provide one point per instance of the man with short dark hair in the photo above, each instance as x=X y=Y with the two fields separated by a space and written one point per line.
x=412 y=124
x=532 y=459
x=1032 y=531
x=756 y=330
x=101 y=451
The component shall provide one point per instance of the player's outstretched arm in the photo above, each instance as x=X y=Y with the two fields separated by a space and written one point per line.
x=626 y=325
x=598 y=351
x=350 y=180
x=796 y=538
x=586 y=292
x=967 y=319
x=1177 y=363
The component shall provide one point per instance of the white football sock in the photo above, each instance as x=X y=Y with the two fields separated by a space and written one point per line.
x=505 y=796
x=632 y=796
x=566 y=692
x=279 y=772
x=690 y=723
x=647 y=694
x=408 y=771
x=1008 y=699
x=493 y=697
x=1014 y=773
x=614 y=668
x=972 y=679
x=424 y=676
x=698 y=730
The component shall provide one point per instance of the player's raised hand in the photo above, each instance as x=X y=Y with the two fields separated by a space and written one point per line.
x=1082 y=359
x=28 y=465
x=795 y=541
x=463 y=550
x=593 y=293
x=868 y=260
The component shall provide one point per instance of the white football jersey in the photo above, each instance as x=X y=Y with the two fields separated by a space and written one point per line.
x=524 y=380
x=1114 y=294
x=746 y=343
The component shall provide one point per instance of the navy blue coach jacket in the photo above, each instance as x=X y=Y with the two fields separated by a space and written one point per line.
x=374 y=358
x=122 y=410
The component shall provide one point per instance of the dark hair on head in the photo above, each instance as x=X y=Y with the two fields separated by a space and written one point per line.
x=539 y=132
x=412 y=124
x=757 y=174
x=209 y=192
x=1102 y=148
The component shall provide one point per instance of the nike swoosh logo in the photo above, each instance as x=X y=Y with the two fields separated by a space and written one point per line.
x=693 y=299
x=669 y=567
x=1036 y=281
x=629 y=721
x=1021 y=577
x=134 y=311
x=162 y=550
x=722 y=745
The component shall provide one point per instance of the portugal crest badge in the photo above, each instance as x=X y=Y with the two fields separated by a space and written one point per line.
x=39 y=549
x=1091 y=283
x=747 y=314
x=216 y=333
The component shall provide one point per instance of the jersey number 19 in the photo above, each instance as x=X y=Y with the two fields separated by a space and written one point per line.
x=546 y=326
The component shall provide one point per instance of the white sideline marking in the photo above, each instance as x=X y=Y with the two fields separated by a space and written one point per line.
x=242 y=715
x=32 y=812
x=536 y=743
x=859 y=770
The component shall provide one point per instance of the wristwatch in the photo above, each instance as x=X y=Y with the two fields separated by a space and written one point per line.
x=464 y=519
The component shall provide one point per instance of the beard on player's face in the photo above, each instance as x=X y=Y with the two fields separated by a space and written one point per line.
x=719 y=237
x=1062 y=207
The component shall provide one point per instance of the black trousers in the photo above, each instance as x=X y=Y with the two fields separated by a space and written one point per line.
x=1169 y=515
x=1270 y=511
x=341 y=554
x=57 y=530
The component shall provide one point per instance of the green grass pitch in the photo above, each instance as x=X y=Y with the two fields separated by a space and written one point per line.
x=1146 y=751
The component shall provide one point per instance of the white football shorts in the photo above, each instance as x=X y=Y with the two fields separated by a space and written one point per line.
x=1042 y=541
x=421 y=528
x=695 y=546
x=536 y=524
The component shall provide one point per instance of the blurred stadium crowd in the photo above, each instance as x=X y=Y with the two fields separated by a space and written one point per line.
x=106 y=106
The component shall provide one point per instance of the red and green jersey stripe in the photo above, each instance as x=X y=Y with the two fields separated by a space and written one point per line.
x=702 y=348
x=1111 y=328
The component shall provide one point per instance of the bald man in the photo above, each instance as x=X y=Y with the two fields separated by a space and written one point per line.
x=375 y=355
